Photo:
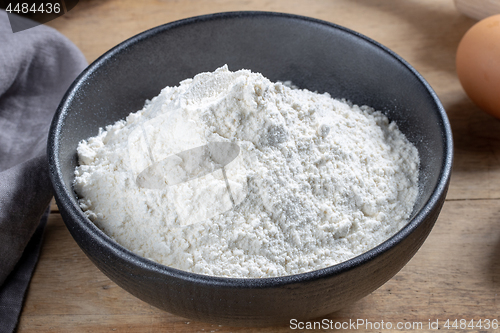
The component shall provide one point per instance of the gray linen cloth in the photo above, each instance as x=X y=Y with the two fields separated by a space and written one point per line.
x=36 y=68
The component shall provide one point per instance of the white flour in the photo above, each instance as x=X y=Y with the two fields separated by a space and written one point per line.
x=316 y=181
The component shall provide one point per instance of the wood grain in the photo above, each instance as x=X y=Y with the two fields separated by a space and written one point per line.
x=455 y=275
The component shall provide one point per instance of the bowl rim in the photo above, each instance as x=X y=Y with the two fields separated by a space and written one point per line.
x=64 y=197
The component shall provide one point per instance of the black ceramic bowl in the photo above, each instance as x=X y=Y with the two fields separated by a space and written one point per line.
x=313 y=54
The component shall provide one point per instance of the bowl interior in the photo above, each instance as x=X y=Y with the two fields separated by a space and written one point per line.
x=312 y=54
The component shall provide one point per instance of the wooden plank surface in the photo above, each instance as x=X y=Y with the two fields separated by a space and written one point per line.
x=456 y=273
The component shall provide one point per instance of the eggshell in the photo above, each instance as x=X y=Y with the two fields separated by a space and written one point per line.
x=478 y=64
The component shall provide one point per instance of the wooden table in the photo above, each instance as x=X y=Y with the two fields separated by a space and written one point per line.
x=456 y=273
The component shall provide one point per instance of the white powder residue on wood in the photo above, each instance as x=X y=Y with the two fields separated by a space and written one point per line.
x=316 y=181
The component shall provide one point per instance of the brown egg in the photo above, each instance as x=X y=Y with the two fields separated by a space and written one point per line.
x=478 y=64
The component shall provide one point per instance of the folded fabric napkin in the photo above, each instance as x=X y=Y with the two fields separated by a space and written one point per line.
x=36 y=68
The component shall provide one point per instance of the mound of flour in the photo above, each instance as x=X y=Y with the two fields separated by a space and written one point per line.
x=316 y=181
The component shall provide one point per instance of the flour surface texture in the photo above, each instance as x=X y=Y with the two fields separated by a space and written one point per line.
x=298 y=181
